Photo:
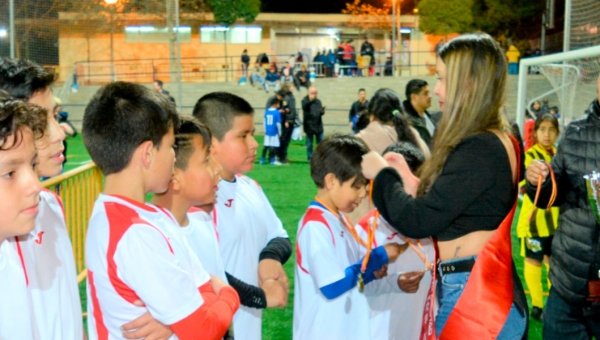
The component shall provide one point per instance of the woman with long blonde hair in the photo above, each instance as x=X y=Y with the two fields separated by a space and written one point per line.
x=466 y=195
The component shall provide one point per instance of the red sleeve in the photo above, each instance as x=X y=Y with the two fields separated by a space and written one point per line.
x=213 y=318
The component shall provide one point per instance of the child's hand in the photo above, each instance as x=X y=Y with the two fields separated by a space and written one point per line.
x=275 y=293
x=145 y=327
x=381 y=273
x=394 y=250
x=409 y=282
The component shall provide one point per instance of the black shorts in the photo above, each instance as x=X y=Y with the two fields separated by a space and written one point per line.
x=538 y=247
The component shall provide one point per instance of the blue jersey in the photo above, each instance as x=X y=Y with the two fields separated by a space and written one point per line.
x=272 y=121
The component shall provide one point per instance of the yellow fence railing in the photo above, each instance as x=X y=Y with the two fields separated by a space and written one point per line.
x=78 y=189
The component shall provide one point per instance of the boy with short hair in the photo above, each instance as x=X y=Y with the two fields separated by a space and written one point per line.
x=192 y=192
x=20 y=187
x=328 y=261
x=131 y=252
x=397 y=302
x=272 y=125
x=47 y=251
x=253 y=243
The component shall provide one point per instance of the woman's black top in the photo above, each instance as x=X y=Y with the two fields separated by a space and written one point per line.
x=473 y=192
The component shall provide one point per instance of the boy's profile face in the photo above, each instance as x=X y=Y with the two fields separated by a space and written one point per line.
x=19 y=187
x=198 y=182
x=50 y=147
x=163 y=161
x=236 y=152
x=346 y=196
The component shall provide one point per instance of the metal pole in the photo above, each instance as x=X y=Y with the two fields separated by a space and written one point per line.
x=543 y=37
x=112 y=47
x=394 y=37
x=567 y=27
x=178 y=55
x=11 y=19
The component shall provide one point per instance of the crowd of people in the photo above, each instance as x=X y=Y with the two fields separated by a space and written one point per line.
x=408 y=236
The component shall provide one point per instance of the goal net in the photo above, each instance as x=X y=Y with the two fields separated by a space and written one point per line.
x=567 y=80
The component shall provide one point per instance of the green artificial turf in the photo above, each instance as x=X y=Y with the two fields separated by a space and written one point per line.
x=290 y=189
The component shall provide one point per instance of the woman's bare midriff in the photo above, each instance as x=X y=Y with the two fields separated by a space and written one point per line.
x=467 y=245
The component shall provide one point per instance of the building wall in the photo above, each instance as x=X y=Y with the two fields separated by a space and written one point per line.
x=90 y=54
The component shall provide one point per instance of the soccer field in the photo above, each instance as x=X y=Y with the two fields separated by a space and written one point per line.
x=290 y=189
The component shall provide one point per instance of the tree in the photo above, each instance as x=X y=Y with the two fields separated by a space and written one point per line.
x=227 y=12
x=367 y=16
x=446 y=16
x=500 y=18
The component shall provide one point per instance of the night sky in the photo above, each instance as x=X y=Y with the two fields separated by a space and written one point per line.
x=304 y=6
x=318 y=6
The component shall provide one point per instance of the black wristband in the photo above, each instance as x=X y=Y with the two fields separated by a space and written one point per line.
x=250 y=296
x=279 y=249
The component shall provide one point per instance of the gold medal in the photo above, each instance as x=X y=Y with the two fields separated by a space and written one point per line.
x=361 y=283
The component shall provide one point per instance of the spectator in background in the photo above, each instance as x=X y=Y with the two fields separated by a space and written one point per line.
x=313 y=111
x=158 y=87
x=418 y=100
x=512 y=55
x=262 y=59
x=302 y=78
x=288 y=118
x=272 y=79
x=358 y=107
x=367 y=51
x=245 y=59
x=257 y=78
x=65 y=124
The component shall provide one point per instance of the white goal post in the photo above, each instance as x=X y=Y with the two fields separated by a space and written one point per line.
x=572 y=64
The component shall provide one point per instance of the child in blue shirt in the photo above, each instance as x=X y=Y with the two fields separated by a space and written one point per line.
x=272 y=124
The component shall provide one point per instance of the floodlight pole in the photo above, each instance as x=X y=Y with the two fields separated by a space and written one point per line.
x=11 y=19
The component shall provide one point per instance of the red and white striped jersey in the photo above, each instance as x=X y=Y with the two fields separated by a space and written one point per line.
x=324 y=249
x=133 y=253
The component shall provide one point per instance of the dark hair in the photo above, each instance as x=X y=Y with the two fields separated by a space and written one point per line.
x=119 y=118
x=218 y=109
x=159 y=82
x=23 y=78
x=340 y=155
x=414 y=86
x=275 y=101
x=547 y=117
x=385 y=106
x=16 y=114
x=189 y=128
x=361 y=90
x=412 y=154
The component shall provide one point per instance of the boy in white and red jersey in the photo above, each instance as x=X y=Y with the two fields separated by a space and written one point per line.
x=192 y=193
x=327 y=304
x=253 y=243
x=132 y=253
x=20 y=123
x=46 y=251
x=397 y=301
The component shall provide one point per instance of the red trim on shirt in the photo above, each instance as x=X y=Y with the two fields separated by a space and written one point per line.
x=101 y=330
x=137 y=204
x=213 y=318
x=120 y=219
x=312 y=215
x=20 y=252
